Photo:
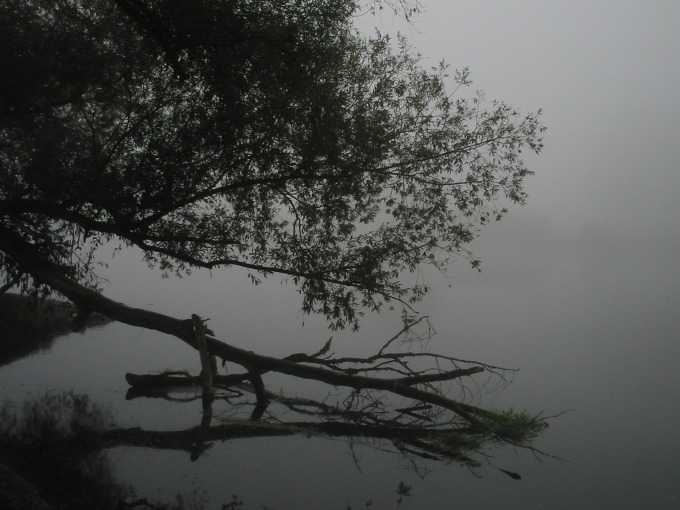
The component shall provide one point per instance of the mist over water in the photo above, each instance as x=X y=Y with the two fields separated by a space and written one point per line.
x=591 y=329
x=580 y=290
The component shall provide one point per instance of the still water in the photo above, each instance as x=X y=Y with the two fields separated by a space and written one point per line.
x=277 y=472
x=620 y=454
x=598 y=340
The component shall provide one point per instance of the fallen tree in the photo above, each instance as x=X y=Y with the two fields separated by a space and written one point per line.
x=266 y=135
x=353 y=373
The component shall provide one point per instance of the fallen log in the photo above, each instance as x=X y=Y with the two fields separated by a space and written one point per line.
x=45 y=271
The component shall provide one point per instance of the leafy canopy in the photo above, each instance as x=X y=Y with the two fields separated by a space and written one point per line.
x=266 y=134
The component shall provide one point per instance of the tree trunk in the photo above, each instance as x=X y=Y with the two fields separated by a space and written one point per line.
x=50 y=274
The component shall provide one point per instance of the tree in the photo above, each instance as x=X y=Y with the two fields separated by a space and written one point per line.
x=265 y=134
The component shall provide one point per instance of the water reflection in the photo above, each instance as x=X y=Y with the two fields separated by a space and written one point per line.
x=43 y=441
x=59 y=443
x=163 y=442
x=61 y=440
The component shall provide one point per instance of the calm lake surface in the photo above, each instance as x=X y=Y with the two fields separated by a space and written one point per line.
x=584 y=340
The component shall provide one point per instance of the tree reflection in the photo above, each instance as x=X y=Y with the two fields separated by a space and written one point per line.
x=58 y=442
x=41 y=442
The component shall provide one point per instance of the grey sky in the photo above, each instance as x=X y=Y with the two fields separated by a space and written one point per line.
x=605 y=73
x=598 y=243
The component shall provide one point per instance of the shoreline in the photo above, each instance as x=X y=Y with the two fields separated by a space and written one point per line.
x=25 y=328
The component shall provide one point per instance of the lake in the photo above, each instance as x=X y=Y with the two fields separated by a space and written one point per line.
x=584 y=345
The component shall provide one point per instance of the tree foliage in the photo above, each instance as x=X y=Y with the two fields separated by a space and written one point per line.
x=265 y=134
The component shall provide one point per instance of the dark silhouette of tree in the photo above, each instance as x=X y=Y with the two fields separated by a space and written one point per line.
x=262 y=134
x=265 y=134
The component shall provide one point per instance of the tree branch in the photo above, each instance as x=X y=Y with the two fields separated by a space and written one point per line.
x=50 y=274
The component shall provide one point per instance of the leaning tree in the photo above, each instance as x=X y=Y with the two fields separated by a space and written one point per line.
x=271 y=135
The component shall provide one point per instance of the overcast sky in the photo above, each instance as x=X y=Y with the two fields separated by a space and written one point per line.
x=589 y=267
x=606 y=75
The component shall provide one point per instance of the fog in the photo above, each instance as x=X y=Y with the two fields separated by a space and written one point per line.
x=579 y=289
